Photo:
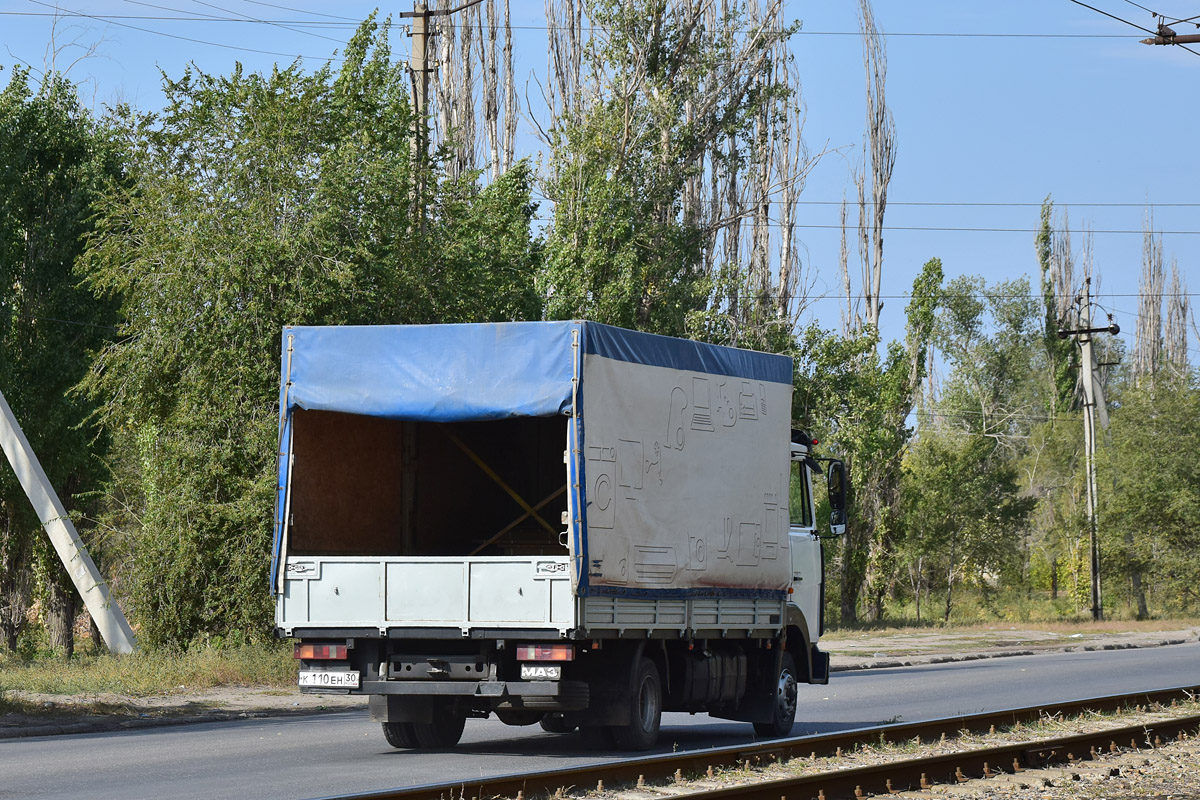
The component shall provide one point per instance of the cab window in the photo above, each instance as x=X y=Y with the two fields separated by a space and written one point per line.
x=800 y=497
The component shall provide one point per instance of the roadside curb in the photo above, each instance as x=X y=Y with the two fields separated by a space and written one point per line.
x=948 y=659
x=111 y=724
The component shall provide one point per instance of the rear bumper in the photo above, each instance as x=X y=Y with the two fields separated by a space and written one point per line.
x=557 y=695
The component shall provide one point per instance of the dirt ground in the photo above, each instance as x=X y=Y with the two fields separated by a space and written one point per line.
x=58 y=714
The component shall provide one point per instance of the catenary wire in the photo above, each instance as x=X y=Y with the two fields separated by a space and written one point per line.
x=1137 y=5
x=1134 y=24
x=1114 y=16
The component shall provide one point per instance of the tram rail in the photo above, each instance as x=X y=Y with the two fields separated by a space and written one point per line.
x=895 y=775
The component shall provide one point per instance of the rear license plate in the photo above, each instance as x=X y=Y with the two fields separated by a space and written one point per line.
x=540 y=672
x=330 y=680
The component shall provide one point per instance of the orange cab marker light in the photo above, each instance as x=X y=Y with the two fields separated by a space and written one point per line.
x=320 y=652
x=545 y=652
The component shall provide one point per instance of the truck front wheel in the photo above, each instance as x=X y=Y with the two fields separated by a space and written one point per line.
x=784 y=706
x=645 y=710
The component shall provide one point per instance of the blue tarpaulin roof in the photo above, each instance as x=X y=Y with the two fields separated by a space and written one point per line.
x=456 y=373
x=436 y=373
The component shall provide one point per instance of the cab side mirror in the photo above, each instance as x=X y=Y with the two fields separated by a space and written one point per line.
x=835 y=482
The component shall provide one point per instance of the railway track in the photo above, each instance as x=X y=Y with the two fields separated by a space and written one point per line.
x=895 y=775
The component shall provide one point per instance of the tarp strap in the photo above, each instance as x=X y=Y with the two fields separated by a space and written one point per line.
x=499 y=482
x=519 y=520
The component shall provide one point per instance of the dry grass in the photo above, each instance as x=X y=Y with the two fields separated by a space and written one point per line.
x=146 y=673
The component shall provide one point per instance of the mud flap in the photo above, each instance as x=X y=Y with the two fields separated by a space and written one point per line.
x=394 y=708
x=819 y=672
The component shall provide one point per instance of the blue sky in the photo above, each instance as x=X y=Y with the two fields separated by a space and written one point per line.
x=995 y=103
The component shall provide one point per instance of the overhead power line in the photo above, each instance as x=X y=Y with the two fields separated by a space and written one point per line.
x=98 y=18
x=952 y=203
x=301 y=10
x=953 y=229
x=183 y=16
x=350 y=23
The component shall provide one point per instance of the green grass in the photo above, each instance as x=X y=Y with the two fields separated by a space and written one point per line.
x=148 y=673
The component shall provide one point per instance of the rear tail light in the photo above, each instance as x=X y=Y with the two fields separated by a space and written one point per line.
x=321 y=652
x=545 y=652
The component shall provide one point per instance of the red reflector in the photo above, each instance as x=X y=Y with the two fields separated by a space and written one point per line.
x=321 y=652
x=545 y=652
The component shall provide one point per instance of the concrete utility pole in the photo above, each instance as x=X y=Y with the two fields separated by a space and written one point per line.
x=114 y=628
x=419 y=66
x=1083 y=335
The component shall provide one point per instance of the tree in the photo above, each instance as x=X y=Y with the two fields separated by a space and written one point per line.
x=258 y=201
x=965 y=514
x=54 y=161
x=988 y=336
x=962 y=510
x=674 y=125
x=859 y=403
x=1055 y=268
x=1152 y=515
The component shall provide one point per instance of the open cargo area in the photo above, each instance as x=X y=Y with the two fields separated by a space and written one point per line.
x=373 y=486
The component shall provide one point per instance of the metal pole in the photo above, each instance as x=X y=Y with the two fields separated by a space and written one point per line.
x=114 y=628
x=1089 y=439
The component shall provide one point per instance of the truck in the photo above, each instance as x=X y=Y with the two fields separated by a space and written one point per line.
x=559 y=523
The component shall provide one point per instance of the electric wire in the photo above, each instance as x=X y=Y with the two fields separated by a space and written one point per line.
x=350 y=23
x=1134 y=24
x=302 y=11
x=1114 y=16
x=275 y=24
x=202 y=18
x=181 y=17
x=948 y=229
x=944 y=204
x=187 y=38
x=1143 y=8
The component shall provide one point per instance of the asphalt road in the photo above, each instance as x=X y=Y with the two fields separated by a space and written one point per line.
x=337 y=753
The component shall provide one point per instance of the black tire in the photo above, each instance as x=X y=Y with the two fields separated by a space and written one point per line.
x=645 y=710
x=400 y=735
x=552 y=722
x=784 y=706
x=445 y=730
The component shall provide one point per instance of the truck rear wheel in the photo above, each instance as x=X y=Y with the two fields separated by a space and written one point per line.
x=645 y=710
x=552 y=722
x=400 y=734
x=784 y=706
x=444 y=731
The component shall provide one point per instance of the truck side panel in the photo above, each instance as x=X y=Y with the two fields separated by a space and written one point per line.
x=686 y=481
